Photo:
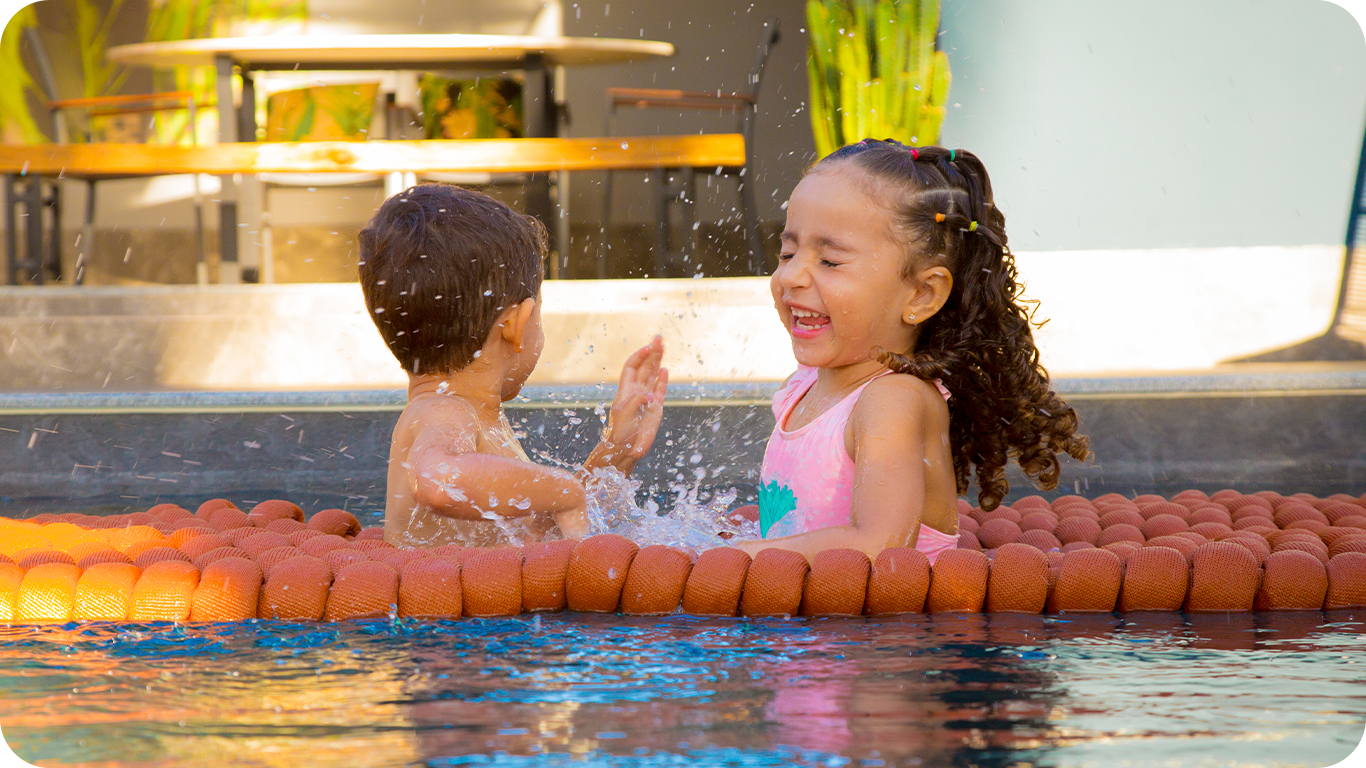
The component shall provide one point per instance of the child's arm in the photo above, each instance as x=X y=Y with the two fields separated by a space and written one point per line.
x=449 y=476
x=889 y=474
x=636 y=412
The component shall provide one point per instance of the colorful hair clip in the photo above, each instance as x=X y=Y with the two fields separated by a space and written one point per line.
x=952 y=152
x=972 y=227
x=939 y=218
x=915 y=153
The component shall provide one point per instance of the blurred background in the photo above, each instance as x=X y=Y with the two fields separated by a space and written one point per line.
x=1180 y=181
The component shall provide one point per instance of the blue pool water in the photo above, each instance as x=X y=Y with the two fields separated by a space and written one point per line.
x=996 y=690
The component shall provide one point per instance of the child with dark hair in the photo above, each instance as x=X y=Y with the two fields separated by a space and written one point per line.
x=916 y=361
x=452 y=279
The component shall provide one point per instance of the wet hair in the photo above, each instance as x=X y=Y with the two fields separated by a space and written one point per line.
x=438 y=265
x=980 y=343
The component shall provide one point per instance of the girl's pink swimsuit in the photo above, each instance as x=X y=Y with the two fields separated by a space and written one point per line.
x=807 y=481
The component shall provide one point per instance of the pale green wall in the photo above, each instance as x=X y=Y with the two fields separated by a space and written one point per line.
x=1161 y=123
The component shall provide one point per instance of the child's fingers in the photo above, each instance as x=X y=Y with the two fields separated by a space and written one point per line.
x=649 y=364
x=661 y=386
x=630 y=369
x=627 y=406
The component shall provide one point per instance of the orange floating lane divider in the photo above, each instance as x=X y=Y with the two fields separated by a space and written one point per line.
x=837 y=584
x=958 y=582
x=655 y=582
x=1292 y=581
x=715 y=583
x=364 y=591
x=491 y=582
x=1089 y=582
x=898 y=583
x=1018 y=580
x=48 y=593
x=1346 y=581
x=1226 y=552
x=335 y=521
x=11 y=577
x=276 y=509
x=164 y=592
x=545 y=567
x=229 y=590
x=296 y=589
x=597 y=572
x=1155 y=579
x=774 y=584
x=1224 y=579
x=105 y=592
x=430 y=588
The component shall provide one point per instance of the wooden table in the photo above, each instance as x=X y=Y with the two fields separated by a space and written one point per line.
x=534 y=56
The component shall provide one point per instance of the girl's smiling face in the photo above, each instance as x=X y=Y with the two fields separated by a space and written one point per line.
x=840 y=286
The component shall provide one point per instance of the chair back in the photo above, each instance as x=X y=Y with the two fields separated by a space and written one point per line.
x=768 y=38
x=46 y=80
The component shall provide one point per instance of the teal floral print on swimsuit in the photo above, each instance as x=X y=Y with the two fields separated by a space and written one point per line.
x=775 y=501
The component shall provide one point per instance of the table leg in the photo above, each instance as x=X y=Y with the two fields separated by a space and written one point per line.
x=539 y=121
x=228 y=271
x=249 y=197
x=11 y=234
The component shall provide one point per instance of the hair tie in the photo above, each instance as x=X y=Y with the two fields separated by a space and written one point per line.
x=952 y=152
x=915 y=153
x=972 y=227
x=939 y=218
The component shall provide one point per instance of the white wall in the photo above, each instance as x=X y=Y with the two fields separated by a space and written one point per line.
x=1162 y=123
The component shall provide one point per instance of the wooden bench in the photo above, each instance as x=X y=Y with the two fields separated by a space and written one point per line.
x=25 y=166
x=436 y=156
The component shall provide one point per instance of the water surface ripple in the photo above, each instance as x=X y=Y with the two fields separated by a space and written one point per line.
x=1140 y=690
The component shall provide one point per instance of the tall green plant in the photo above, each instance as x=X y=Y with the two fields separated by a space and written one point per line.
x=194 y=19
x=874 y=71
x=15 y=82
x=92 y=27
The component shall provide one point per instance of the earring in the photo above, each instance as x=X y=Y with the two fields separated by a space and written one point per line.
x=910 y=318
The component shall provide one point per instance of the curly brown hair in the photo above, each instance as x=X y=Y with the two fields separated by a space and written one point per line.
x=980 y=343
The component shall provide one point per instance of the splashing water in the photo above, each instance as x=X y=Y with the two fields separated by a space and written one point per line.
x=692 y=522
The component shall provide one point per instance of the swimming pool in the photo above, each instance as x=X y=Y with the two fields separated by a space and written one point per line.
x=993 y=690
x=1142 y=689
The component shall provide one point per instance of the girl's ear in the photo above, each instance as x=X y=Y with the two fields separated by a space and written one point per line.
x=513 y=322
x=932 y=290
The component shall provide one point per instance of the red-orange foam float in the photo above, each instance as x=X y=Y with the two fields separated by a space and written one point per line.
x=597 y=572
x=715 y=583
x=80 y=568
x=837 y=584
x=1018 y=582
x=544 y=570
x=363 y=591
x=774 y=584
x=958 y=583
x=655 y=582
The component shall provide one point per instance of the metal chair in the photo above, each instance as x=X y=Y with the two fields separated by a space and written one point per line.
x=678 y=185
x=44 y=259
x=1345 y=339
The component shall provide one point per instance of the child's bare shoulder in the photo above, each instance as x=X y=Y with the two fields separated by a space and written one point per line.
x=437 y=414
x=898 y=396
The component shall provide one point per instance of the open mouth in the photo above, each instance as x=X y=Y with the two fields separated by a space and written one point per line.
x=805 y=322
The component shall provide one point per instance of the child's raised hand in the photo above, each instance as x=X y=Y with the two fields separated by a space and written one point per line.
x=636 y=411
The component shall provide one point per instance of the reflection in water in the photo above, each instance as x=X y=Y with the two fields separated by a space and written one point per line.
x=915 y=690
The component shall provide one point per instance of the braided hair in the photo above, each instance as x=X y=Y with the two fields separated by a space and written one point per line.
x=980 y=343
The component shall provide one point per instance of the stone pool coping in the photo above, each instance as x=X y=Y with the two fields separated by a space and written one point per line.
x=1233 y=382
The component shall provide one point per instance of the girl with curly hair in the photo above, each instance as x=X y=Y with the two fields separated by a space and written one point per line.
x=916 y=360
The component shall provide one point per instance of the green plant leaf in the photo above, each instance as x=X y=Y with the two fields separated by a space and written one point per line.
x=873 y=70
